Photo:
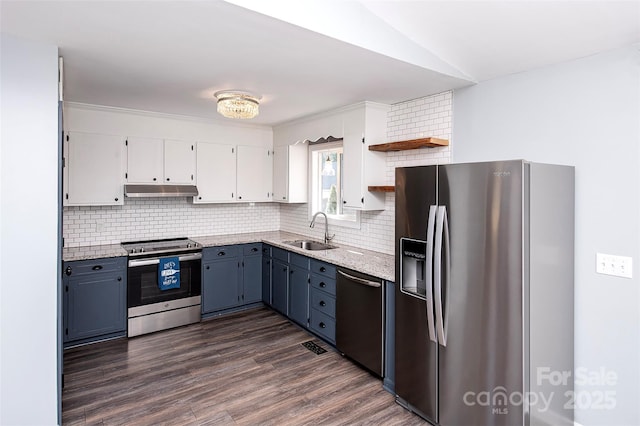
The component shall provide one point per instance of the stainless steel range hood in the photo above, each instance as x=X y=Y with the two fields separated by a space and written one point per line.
x=138 y=191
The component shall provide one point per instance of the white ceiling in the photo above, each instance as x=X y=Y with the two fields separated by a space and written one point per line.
x=306 y=56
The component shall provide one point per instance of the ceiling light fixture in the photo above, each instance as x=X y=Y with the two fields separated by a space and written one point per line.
x=237 y=104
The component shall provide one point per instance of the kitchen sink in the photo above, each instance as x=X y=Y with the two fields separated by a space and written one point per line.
x=310 y=245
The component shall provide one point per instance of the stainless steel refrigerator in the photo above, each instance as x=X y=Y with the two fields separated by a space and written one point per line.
x=484 y=293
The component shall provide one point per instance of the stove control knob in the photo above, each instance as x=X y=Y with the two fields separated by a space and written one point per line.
x=133 y=251
x=141 y=249
x=188 y=245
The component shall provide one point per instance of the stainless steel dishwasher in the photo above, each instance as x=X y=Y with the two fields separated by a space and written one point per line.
x=360 y=319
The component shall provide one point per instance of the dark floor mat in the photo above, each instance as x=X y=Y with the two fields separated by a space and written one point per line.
x=314 y=348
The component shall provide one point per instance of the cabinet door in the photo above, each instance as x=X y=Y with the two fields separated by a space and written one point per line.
x=97 y=305
x=290 y=165
x=94 y=167
x=364 y=126
x=254 y=173
x=220 y=285
x=179 y=162
x=298 y=294
x=216 y=173
x=352 y=146
x=266 y=279
x=281 y=173
x=65 y=309
x=279 y=286
x=145 y=160
x=252 y=279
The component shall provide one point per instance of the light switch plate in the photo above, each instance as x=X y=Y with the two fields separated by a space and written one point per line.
x=609 y=264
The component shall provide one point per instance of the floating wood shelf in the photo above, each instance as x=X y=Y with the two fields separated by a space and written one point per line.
x=382 y=188
x=410 y=144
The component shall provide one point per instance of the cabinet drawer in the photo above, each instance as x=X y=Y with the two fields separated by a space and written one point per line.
x=83 y=267
x=220 y=252
x=322 y=268
x=281 y=254
x=323 y=325
x=299 y=260
x=323 y=302
x=323 y=283
x=250 y=249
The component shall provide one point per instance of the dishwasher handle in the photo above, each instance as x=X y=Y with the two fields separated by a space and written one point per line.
x=362 y=281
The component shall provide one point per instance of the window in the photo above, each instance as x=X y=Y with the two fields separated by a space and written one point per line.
x=326 y=185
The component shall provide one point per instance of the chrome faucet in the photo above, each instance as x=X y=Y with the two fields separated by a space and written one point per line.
x=327 y=238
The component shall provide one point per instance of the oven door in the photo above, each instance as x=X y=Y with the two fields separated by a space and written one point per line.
x=142 y=280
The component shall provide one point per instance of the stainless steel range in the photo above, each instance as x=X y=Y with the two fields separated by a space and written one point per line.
x=163 y=284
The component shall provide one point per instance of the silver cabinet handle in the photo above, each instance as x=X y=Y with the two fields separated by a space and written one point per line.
x=428 y=266
x=442 y=233
x=360 y=280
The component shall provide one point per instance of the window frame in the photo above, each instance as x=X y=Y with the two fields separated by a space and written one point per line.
x=314 y=175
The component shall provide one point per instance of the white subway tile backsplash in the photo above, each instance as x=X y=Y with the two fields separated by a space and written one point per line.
x=163 y=218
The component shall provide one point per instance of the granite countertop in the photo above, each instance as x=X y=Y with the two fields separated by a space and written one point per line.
x=92 y=252
x=366 y=261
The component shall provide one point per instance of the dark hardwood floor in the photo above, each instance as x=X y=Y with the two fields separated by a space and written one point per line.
x=247 y=368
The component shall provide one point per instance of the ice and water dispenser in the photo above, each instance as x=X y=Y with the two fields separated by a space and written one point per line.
x=413 y=268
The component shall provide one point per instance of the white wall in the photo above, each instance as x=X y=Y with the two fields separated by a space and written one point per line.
x=29 y=220
x=584 y=113
x=418 y=118
x=150 y=218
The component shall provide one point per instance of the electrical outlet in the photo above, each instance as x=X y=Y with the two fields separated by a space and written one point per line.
x=609 y=264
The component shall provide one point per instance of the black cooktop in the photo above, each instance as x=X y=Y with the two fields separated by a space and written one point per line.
x=169 y=245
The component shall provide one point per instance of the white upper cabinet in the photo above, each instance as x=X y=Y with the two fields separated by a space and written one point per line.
x=364 y=125
x=152 y=160
x=145 y=160
x=94 y=167
x=216 y=173
x=179 y=162
x=290 y=164
x=254 y=173
x=359 y=125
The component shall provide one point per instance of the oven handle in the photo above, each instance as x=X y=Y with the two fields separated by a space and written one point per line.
x=155 y=260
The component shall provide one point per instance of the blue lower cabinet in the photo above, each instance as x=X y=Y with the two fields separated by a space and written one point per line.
x=252 y=278
x=266 y=275
x=280 y=286
x=220 y=285
x=95 y=300
x=324 y=325
x=231 y=277
x=322 y=300
x=299 y=289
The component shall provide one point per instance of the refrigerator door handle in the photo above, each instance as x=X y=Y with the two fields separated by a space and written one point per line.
x=442 y=236
x=428 y=274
